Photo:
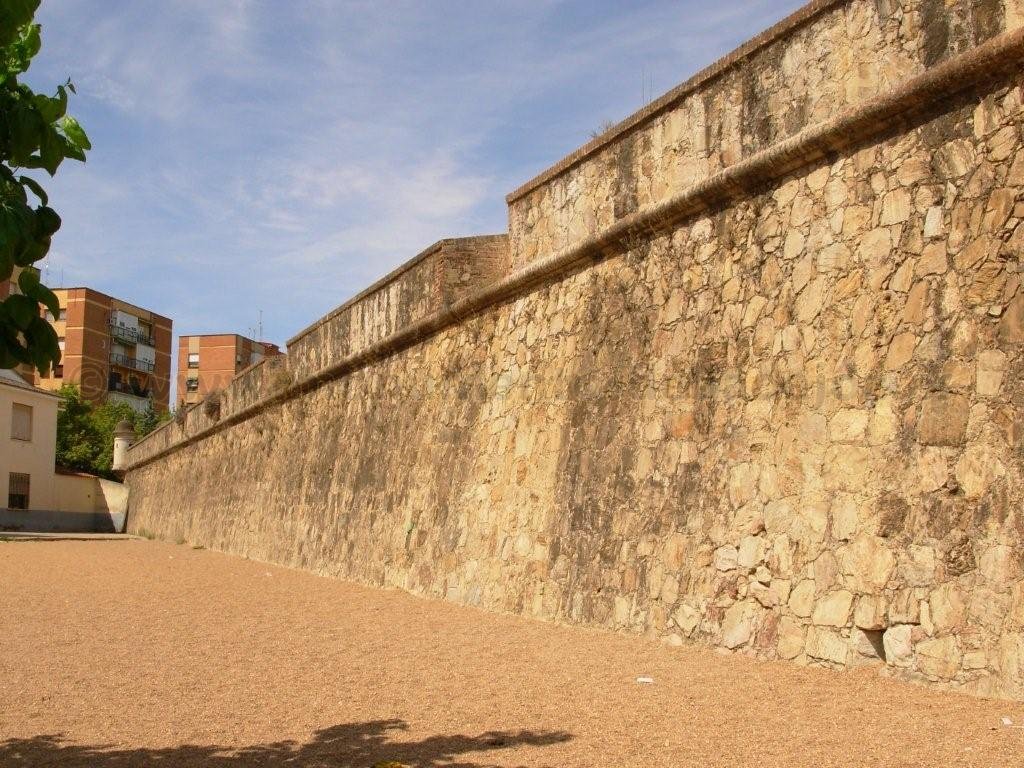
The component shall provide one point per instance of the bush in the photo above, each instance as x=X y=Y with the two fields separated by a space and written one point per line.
x=85 y=432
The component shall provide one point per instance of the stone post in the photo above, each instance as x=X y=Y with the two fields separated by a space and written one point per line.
x=124 y=437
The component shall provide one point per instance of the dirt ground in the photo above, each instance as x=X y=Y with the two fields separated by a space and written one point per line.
x=139 y=653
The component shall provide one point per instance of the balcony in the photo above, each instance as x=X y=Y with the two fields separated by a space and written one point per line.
x=131 y=335
x=136 y=403
x=131 y=362
x=126 y=388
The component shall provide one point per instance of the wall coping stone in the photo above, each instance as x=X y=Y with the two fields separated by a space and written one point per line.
x=390 y=277
x=641 y=117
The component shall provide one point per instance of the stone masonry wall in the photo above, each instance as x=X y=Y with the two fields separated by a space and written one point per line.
x=790 y=426
x=829 y=56
x=442 y=273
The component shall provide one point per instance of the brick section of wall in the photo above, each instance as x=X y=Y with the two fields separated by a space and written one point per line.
x=787 y=424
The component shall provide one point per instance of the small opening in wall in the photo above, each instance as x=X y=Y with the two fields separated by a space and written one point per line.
x=874 y=636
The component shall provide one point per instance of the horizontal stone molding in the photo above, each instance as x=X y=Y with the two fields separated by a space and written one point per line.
x=886 y=114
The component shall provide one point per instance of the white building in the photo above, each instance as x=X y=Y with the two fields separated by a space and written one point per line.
x=36 y=495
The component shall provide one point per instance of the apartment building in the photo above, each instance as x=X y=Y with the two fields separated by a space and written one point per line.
x=114 y=351
x=208 y=362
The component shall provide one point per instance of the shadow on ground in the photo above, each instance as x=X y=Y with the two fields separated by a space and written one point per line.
x=359 y=745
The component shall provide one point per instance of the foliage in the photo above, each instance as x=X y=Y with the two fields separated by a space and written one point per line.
x=35 y=133
x=85 y=432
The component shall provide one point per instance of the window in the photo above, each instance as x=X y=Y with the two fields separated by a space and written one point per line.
x=58 y=370
x=192 y=385
x=193 y=359
x=17 y=491
x=21 y=422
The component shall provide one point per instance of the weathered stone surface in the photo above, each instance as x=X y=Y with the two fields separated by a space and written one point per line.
x=738 y=625
x=943 y=419
x=869 y=646
x=791 y=638
x=898 y=644
x=781 y=425
x=834 y=609
x=801 y=599
x=827 y=645
x=991 y=368
x=871 y=612
x=867 y=564
x=938 y=658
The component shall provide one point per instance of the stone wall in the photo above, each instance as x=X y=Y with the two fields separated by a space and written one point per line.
x=787 y=424
x=828 y=56
x=434 y=279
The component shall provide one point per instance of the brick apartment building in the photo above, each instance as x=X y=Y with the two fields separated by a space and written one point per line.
x=211 y=361
x=114 y=351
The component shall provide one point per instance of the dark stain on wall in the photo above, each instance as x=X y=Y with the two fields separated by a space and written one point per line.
x=935 y=27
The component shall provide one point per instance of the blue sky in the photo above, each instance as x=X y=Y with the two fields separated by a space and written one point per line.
x=281 y=155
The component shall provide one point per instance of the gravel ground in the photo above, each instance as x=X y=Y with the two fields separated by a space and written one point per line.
x=139 y=653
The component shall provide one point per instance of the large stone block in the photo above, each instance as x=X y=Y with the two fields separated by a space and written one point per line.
x=943 y=419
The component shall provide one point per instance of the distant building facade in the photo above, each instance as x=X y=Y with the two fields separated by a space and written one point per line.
x=112 y=350
x=209 y=362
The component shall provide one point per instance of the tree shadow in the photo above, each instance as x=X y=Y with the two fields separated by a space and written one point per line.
x=355 y=745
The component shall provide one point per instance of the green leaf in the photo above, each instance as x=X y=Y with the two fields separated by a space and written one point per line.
x=7 y=360
x=51 y=150
x=43 y=344
x=30 y=285
x=72 y=150
x=15 y=14
x=47 y=221
x=36 y=189
x=35 y=132
x=22 y=310
x=32 y=252
x=62 y=101
x=75 y=132
x=31 y=42
x=26 y=127
x=28 y=281
x=48 y=299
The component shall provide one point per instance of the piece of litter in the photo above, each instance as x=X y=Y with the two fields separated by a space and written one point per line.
x=1007 y=721
x=647 y=680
